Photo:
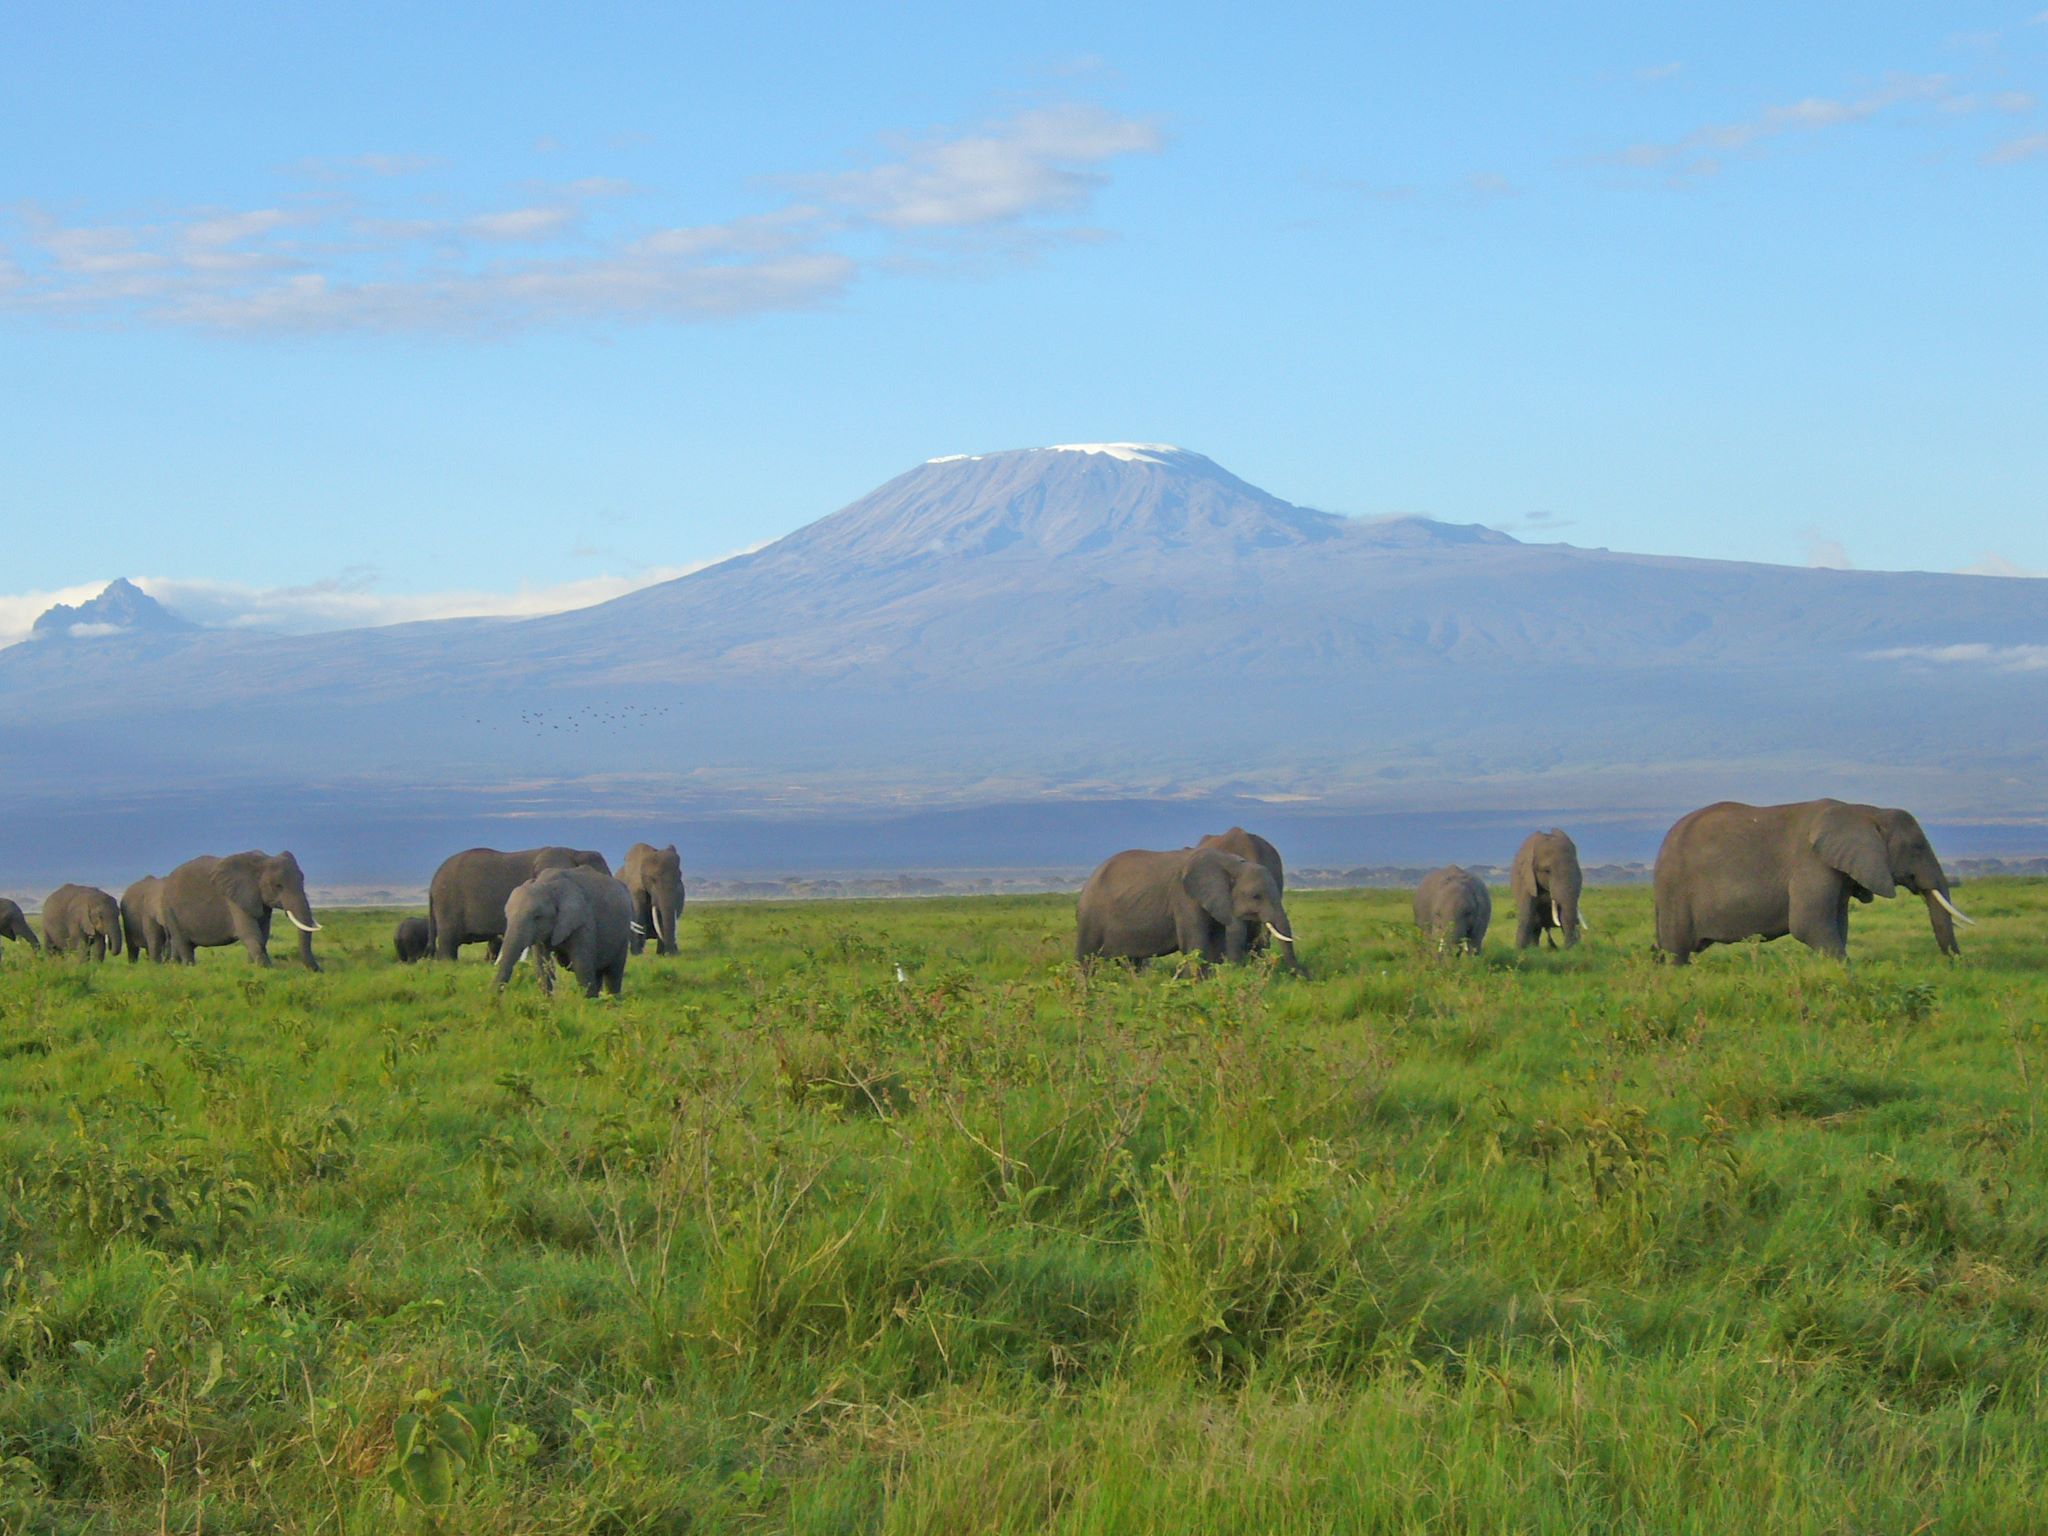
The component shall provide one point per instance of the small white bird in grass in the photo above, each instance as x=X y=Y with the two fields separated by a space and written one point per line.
x=901 y=979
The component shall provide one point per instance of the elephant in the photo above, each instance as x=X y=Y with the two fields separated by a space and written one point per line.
x=655 y=878
x=1249 y=845
x=1455 y=906
x=577 y=916
x=1196 y=901
x=142 y=923
x=1545 y=881
x=409 y=939
x=15 y=926
x=84 y=918
x=466 y=902
x=206 y=903
x=1730 y=871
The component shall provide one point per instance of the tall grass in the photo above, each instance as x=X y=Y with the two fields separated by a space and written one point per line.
x=1561 y=1241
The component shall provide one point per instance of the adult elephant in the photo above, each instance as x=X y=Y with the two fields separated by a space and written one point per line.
x=1249 y=845
x=13 y=925
x=654 y=878
x=1545 y=881
x=1454 y=906
x=142 y=921
x=409 y=939
x=83 y=918
x=577 y=916
x=1195 y=901
x=208 y=903
x=466 y=902
x=1730 y=871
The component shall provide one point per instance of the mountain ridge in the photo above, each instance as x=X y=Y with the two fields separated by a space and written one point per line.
x=1083 y=623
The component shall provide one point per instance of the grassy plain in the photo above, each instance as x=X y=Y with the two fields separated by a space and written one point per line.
x=1558 y=1242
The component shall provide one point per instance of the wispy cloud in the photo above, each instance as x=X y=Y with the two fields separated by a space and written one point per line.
x=1996 y=658
x=1705 y=150
x=349 y=599
x=1824 y=552
x=2033 y=146
x=344 y=260
x=1993 y=564
x=20 y=610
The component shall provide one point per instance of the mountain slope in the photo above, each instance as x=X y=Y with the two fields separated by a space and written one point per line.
x=1100 y=619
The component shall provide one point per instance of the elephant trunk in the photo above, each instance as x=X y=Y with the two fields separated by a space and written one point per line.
x=1938 y=918
x=1567 y=905
x=517 y=937
x=1283 y=934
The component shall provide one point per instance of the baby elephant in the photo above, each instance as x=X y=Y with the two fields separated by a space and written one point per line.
x=578 y=916
x=84 y=918
x=410 y=939
x=1453 y=904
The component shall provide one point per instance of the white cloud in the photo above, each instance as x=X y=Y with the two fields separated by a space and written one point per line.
x=349 y=600
x=20 y=610
x=521 y=224
x=1037 y=163
x=1992 y=564
x=1998 y=658
x=1701 y=152
x=2033 y=146
x=1823 y=552
x=334 y=262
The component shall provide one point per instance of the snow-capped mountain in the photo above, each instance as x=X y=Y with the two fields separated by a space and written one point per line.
x=1095 y=620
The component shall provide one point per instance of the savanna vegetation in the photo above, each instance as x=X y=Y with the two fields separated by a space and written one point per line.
x=1566 y=1241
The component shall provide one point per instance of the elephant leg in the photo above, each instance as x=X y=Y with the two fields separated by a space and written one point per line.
x=1194 y=931
x=1528 y=925
x=493 y=947
x=1820 y=916
x=615 y=977
x=254 y=934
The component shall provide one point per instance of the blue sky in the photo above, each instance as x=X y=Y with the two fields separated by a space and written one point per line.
x=318 y=314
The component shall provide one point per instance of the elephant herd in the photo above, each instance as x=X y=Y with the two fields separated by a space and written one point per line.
x=1725 y=873
x=562 y=903
x=205 y=903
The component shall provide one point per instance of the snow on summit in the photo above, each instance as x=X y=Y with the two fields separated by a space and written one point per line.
x=1133 y=453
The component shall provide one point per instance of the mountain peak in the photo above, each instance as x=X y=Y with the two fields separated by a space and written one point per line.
x=1069 y=500
x=122 y=608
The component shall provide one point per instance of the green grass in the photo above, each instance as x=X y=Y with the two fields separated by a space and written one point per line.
x=1553 y=1242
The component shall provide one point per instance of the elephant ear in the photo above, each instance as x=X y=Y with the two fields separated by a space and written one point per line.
x=1207 y=879
x=570 y=911
x=1851 y=842
x=239 y=878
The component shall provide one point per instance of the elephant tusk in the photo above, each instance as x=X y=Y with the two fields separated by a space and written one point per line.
x=1284 y=938
x=1950 y=907
x=1556 y=913
x=639 y=930
x=303 y=927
